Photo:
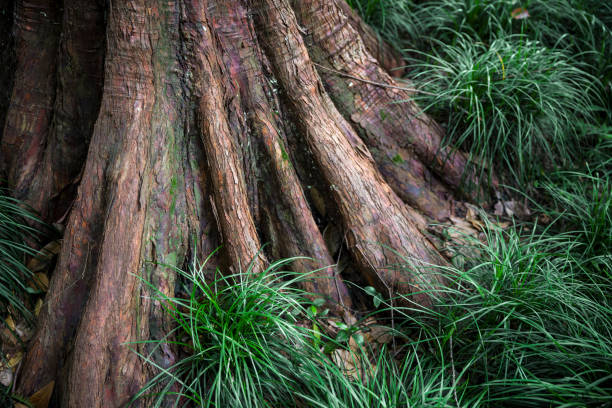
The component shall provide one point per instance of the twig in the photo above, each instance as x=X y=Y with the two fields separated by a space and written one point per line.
x=367 y=81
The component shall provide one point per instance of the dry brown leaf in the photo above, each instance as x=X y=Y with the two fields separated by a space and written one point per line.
x=473 y=216
x=24 y=331
x=45 y=257
x=6 y=377
x=43 y=281
x=502 y=225
x=346 y=361
x=20 y=405
x=8 y=337
x=40 y=281
x=515 y=208
x=37 y=307
x=499 y=208
x=461 y=228
x=379 y=334
x=10 y=322
x=15 y=359
x=41 y=398
x=544 y=219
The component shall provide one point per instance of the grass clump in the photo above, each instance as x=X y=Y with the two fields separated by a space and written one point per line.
x=252 y=340
x=241 y=335
x=15 y=230
x=520 y=84
x=527 y=325
x=513 y=102
x=526 y=321
x=582 y=202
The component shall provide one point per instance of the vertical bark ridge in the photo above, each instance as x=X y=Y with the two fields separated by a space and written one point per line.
x=26 y=128
x=187 y=146
x=374 y=218
x=145 y=224
x=79 y=88
x=406 y=175
x=294 y=231
x=387 y=56
x=125 y=118
x=399 y=122
x=220 y=137
x=7 y=69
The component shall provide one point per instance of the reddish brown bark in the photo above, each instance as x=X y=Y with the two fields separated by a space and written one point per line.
x=209 y=122
x=28 y=119
x=403 y=139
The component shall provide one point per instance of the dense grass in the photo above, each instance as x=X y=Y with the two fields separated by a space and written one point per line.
x=241 y=335
x=14 y=275
x=253 y=341
x=530 y=324
x=513 y=102
x=526 y=321
x=518 y=93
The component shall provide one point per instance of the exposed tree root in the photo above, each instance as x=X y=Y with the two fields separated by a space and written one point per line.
x=190 y=146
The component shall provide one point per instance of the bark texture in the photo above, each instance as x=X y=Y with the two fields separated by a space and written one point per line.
x=158 y=130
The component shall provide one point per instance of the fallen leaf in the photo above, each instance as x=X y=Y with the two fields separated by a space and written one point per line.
x=13 y=361
x=502 y=225
x=42 y=260
x=499 y=208
x=544 y=219
x=6 y=377
x=24 y=331
x=40 y=282
x=473 y=217
x=37 y=307
x=41 y=398
x=379 y=334
x=10 y=323
x=461 y=228
x=8 y=337
x=515 y=208
x=346 y=361
x=519 y=13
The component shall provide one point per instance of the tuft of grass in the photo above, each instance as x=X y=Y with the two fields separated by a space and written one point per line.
x=462 y=48
x=414 y=380
x=245 y=347
x=528 y=324
x=581 y=201
x=14 y=275
x=514 y=102
x=242 y=339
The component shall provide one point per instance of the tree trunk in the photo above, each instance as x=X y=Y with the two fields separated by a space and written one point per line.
x=157 y=131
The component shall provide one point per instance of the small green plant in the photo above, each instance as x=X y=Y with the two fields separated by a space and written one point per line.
x=514 y=102
x=244 y=344
x=245 y=347
x=14 y=275
x=515 y=80
x=528 y=324
x=582 y=203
